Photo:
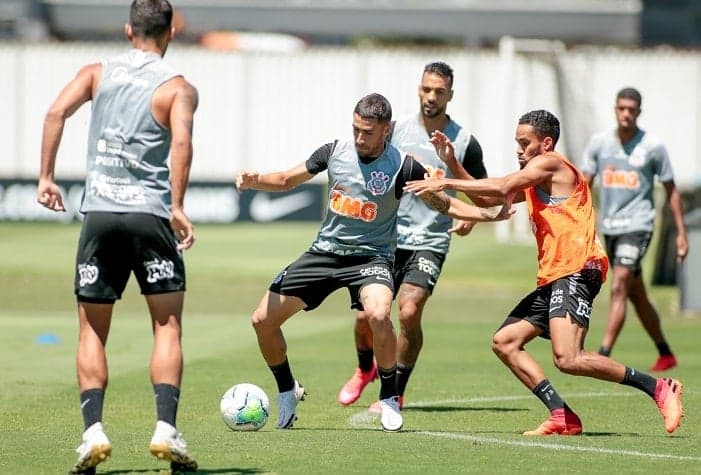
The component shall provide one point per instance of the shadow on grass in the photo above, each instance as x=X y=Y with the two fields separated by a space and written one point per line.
x=230 y=471
x=460 y=409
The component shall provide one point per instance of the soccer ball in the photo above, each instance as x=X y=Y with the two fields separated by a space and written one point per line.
x=244 y=407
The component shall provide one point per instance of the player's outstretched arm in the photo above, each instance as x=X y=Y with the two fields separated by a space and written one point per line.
x=446 y=152
x=276 y=181
x=457 y=209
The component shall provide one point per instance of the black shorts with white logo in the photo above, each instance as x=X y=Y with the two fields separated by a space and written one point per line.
x=628 y=250
x=112 y=245
x=573 y=295
x=314 y=276
x=421 y=268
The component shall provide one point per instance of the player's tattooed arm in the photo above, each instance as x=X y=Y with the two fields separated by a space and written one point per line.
x=439 y=201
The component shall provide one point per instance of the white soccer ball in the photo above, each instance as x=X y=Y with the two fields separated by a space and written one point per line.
x=244 y=407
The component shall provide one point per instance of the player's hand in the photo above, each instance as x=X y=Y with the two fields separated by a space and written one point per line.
x=246 y=180
x=682 y=248
x=462 y=228
x=429 y=185
x=183 y=229
x=49 y=195
x=444 y=147
x=506 y=212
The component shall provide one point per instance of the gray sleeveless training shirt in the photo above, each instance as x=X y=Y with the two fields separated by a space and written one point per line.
x=127 y=168
x=627 y=179
x=418 y=225
x=362 y=212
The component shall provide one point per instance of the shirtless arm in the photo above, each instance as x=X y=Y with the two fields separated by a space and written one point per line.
x=76 y=93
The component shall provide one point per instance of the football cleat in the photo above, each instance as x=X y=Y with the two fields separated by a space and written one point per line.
x=664 y=362
x=287 y=406
x=94 y=449
x=352 y=390
x=561 y=422
x=168 y=444
x=391 y=415
x=668 y=397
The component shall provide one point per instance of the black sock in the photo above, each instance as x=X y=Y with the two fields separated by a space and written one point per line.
x=366 y=359
x=167 y=397
x=605 y=351
x=283 y=376
x=388 y=382
x=642 y=381
x=403 y=373
x=663 y=349
x=547 y=394
x=91 y=401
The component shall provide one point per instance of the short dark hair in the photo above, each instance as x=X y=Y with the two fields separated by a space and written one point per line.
x=442 y=69
x=374 y=106
x=630 y=93
x=543 y=122
x=150 y=18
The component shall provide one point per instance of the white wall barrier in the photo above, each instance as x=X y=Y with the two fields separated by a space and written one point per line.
x=268 y=111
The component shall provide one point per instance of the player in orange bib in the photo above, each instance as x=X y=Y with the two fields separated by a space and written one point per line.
x=572 y=265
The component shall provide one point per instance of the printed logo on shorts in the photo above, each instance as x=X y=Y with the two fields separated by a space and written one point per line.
x=556 y=299
x=378 y=183
x=583 y=308
x=429 y=267
x=159 y=269
x=87 y=274
x=380 y=273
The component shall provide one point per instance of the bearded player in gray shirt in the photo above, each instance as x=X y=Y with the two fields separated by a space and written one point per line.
x=627 y=161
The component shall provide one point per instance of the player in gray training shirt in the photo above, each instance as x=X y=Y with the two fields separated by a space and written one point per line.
x=142 y=114
x=423 y=233
x=353 y=249
x=627 y=160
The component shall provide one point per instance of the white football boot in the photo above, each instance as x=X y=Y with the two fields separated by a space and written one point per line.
x=168 y=444
x=391 y=414
x=287 y=406
x=94 y=449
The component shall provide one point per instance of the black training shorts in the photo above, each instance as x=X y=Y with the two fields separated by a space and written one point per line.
x=112 y=245
x=628 y=250
x=314 y=276
x=421 y=268
x=573 y=294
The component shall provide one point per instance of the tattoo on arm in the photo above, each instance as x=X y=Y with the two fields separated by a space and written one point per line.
x=438 y=201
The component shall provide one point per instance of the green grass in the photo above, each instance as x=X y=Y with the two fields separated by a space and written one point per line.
x=465 y=411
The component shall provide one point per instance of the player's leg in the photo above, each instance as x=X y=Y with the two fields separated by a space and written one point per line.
x=166 y=374
x=650 y=319
x=94 y=324
x=101 y=275
x=620 y=281
x=569 y=331
x=160 y=271
x=526 y=321
x=412 y=299
x=366 y=372
x=376 y=299
x=304 y=284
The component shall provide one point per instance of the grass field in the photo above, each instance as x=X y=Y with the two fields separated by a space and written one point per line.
x=464 y=412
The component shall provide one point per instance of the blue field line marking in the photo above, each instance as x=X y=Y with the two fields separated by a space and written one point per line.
x=543 y=445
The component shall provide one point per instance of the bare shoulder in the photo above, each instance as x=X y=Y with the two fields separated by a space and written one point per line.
x=179 y=89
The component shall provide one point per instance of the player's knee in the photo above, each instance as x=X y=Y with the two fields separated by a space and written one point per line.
x=259 y=319
x=502 y=346
x=566 y=363
x=410 y=317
